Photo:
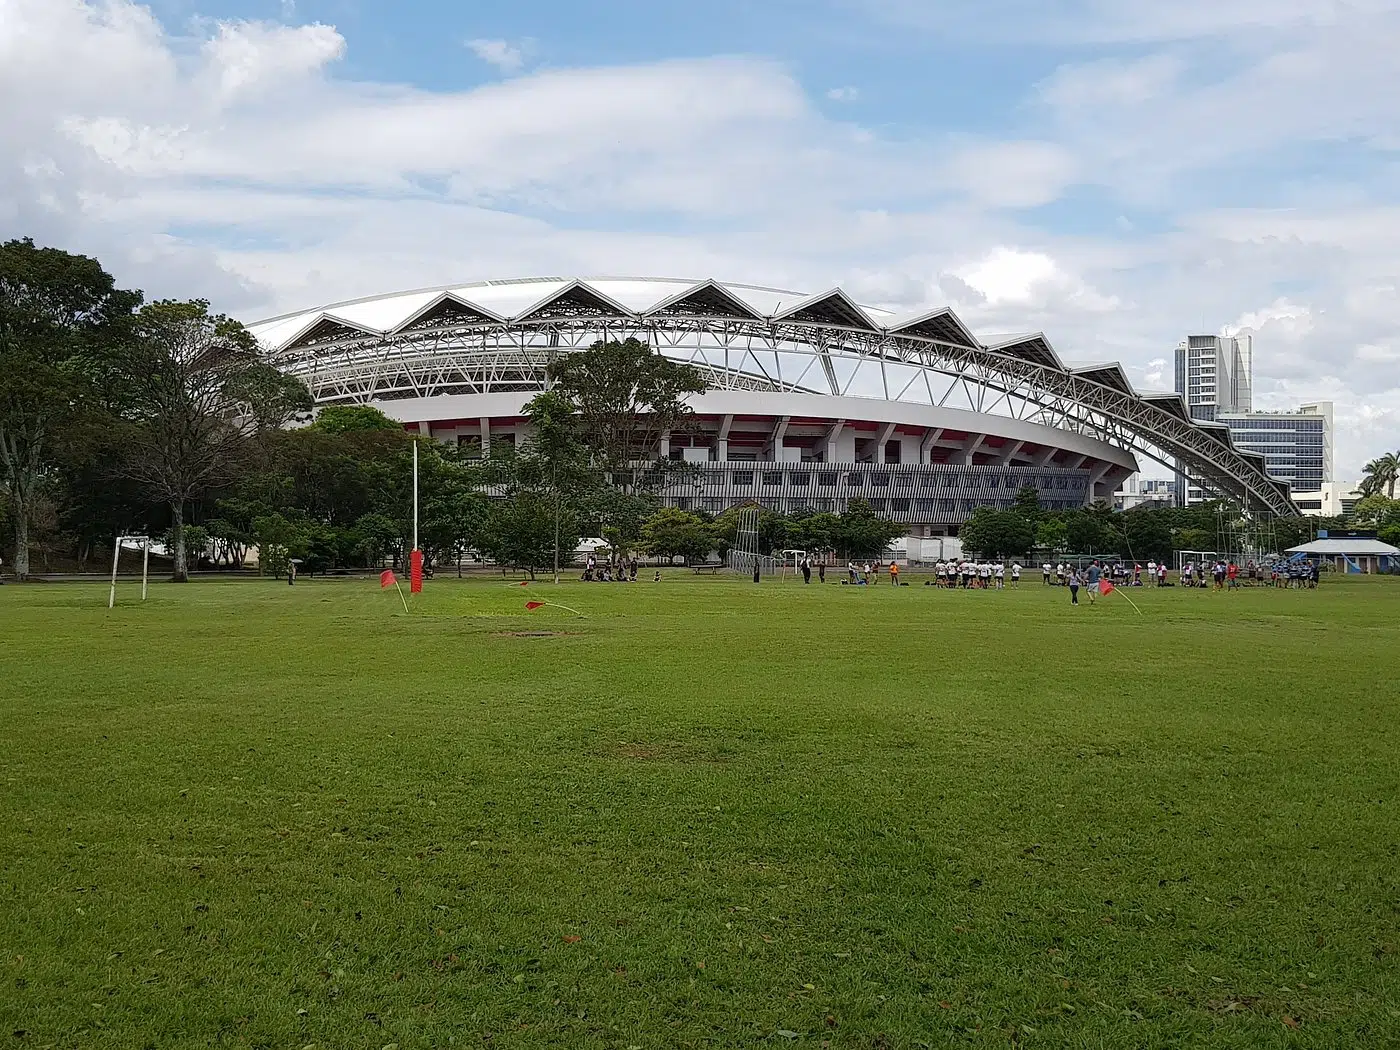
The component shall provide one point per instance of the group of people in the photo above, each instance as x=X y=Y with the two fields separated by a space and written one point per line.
x=974 y=575
x=862 y=574
x=1223 y=574
x=1118 y=573
x=623 y=571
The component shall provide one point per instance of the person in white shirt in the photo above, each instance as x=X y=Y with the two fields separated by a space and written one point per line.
x=1045 y=571
x=1015 y=574
x=999 y=572
x=1152 y=571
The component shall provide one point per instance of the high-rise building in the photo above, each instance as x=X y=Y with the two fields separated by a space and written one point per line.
x=1297 y=448
x=1214 y=373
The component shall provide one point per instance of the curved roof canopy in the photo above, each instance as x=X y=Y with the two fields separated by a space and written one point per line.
x=739 y=335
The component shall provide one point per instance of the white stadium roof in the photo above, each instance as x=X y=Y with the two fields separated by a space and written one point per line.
x=497 y=334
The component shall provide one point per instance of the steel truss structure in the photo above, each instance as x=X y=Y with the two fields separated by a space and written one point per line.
x=451 y=342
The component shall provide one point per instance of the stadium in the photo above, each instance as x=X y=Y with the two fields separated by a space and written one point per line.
x=813 y=400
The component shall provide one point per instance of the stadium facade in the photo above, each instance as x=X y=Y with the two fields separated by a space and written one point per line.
x=813 y=400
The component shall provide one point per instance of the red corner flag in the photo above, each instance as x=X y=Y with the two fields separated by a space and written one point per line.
x=532 y=606
x=1105 y=587
x=387 y=579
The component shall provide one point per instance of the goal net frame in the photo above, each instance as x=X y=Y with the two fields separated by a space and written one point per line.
x=145 y=543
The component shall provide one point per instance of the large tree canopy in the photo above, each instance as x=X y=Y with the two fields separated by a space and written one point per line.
x=199 y=390
x=626 y=396
x=61 y=316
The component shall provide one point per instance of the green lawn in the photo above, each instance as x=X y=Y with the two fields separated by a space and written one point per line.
x=708 y=814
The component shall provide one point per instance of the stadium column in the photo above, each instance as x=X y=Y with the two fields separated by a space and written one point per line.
x=931 y=436
x=722 y=439
x=665 y=448
x=886 y=433
x=775 y=440
x=1008 y=452
x=424 y=428
x=485 y=437
x=833 y=435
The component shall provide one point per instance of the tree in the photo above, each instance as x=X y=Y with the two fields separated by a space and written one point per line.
x=1143 y=534
x=556 y=456
x=1381 y=475
x=279 y=540
x=1027 y=503
x=1050 y=533
x=345 y=419
x=60 y=314
x=626 y=396
x=862 y=533
x=1377 y=511
x=520 y=531
x=1084 y=532
x=670 y=533
x=199 y=391
x=997 y=533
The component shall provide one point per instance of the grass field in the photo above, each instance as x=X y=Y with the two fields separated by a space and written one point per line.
x=708 y=814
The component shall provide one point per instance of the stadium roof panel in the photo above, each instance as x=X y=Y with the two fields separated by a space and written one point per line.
x=575 y=299
x=444 y=311
x=706 y=299
x=324 y=327
x=1032 y=347
x=941 y=324
x=832 y=307
x=1110 y=374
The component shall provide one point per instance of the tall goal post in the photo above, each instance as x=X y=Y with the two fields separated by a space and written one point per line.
x=145 y=542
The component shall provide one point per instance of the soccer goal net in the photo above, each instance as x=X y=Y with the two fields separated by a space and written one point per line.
x=141 y=543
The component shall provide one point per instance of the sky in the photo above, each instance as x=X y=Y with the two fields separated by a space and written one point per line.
x=1115 y=173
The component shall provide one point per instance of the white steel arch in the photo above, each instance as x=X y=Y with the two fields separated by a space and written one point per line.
x=500 y=336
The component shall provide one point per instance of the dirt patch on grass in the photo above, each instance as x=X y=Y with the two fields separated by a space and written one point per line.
x=532 y=634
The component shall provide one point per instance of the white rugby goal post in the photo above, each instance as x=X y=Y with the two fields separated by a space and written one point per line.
x=133 y=541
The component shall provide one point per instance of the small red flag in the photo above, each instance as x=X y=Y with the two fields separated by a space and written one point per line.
x=387 y=579
x=534 y=605
x=1105 y=587
x=524 y=583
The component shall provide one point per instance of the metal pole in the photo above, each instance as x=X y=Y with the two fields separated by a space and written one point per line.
x=145 y=564
x=116 y=553
x=415 y=494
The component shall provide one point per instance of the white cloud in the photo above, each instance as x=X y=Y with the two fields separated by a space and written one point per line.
x=506 y=57
x=843 y=94
x=1012 y=174
x=257 y=56
x=240 y=162
x=1281 y=319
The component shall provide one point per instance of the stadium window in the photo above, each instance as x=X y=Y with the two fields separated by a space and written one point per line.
x=877 y=505
x=772 y=477
x=904 y=477
x=947 y=505
x=950 y=481
x=926 y=504
x=899 y=506
x=892 y=451
x=969 y=504
x=799 y=479
x=827 y=478
x=743 y=478
x=855 y=479
x=879 y=481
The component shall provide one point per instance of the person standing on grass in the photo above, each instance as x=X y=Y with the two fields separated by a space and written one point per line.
x=1045 y=573
x=1074 y=582
x=894 y=573
x=1095 y=571
x=821 y=571
x=291 y=573
x=1000 y=573
x=806 y=571
x=1016 y=575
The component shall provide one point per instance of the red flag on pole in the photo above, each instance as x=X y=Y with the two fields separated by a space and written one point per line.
x=415 y=571
x=532 y=606
x=1105 y=587
x=387 y=579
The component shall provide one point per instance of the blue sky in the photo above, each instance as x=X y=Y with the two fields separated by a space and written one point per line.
x=1114 y=172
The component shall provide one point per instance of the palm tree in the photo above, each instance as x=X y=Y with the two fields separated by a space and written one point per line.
x=1381 y=474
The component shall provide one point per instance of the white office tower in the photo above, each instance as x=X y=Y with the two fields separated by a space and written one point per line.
x=1214 y=373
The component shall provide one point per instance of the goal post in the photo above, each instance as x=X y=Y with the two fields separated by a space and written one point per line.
x=145 y=542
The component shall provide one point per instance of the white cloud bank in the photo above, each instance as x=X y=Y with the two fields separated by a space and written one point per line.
x=238 y=165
